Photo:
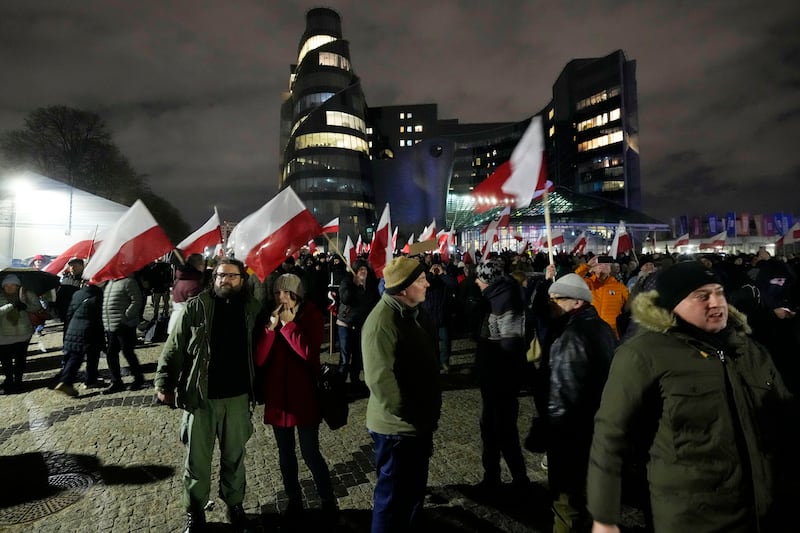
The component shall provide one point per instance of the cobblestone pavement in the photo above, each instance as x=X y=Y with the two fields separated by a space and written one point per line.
x=114 y=463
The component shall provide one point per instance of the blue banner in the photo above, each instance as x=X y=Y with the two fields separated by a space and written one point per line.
x=730 y=224
x=779 y=227
x=712 y=225
x=684 y=225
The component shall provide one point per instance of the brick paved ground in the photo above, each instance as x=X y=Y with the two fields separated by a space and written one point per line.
x=113 y=463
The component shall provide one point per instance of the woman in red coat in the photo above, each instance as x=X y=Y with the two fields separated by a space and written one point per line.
x=289 y=353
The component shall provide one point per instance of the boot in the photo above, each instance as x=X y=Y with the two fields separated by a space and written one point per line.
x=116 y=386
x=238 y=519
x=66 y=388
x=195 y=522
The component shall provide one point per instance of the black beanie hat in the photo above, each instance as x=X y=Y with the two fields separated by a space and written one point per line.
x=676 y=282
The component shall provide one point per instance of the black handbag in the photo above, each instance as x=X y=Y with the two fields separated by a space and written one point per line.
x=332 y=396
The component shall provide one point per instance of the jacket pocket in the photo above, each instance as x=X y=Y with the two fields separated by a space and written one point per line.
x=698 y=424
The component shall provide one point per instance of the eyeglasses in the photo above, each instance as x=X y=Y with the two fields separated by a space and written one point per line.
x=223 y=275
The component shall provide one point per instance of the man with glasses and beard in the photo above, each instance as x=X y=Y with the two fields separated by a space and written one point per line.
x=206 y=369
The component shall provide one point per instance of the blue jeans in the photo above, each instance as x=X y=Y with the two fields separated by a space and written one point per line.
x=309 y=449
x=350 y=352
x=401 y=462
x=444 y=345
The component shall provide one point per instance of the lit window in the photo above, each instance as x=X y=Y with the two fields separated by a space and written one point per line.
x=369 y=131
x=312 y=43
x=402 y=142
x=369 y=144
x=418 y=128
x=408 y=115
x=417 y=140
x=402 y=115
x=552 y=131
x=402 y=129
x=551 y=114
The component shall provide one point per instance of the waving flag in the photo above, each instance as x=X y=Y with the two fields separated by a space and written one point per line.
x=359 y=246
x=380 y=249
x=209 y=235
x=81 y=249
x=791 y=236
x=622 y=241
x=281 y=227
x=579 y=247
x=350 y=254
x=394 y=239
x=133 y=242
x=428 y=233
x=683 y=240
x=717 y=241
x=520 y=179
x=407 y=248
x=557 y=238
x=332 y=226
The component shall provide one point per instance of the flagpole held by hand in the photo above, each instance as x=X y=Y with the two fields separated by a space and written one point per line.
x=546 y=203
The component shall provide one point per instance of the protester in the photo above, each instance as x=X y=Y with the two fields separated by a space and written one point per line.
x=441 y=291
x=16 y=330
x=712 y=408
x=289 y=353
x=500 y=366
x=579 y=359
x=402 y=372
x=189 y=281
x=122 y=306
x=206 y=369
x=608 y=294
x=84 y=336
x=358 y=294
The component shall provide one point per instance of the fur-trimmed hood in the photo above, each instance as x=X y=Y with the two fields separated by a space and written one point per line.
x=649 y=315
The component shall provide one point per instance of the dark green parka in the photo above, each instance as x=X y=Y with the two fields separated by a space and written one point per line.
x=722 y=422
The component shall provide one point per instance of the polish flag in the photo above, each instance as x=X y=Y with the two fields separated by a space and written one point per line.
x=556 y=238
x=791 y=236
x=209 y=235
x=359 y=246
x=394 y=240
x=381 y=249
x=467 y=258
x=520 y=179
x=717 y=241
x=490 y=230
x=622 y=241
x=133 y=242
x=332 y=226
x=580 y=244
x=407 y=248
x=683 y=240
x=349 y=252
x=445 y=239
x=265 y=238
x=312 y=247
x=81 y=249
x=428 y=233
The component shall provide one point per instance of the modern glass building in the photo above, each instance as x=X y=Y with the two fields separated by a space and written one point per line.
x=324 y=151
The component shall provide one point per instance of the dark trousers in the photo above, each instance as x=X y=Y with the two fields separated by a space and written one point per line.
x=499 y=434
x=401 y=463
x=309 y=449
x=13 y=357
x=350 y=352
x=73 y=361
x=123 y=339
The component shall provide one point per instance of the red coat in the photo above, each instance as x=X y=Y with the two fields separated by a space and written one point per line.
x=290 y=356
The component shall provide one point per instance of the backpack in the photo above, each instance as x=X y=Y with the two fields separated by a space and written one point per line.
x=332 y=396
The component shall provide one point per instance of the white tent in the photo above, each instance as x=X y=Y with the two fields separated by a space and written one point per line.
x=39 y=215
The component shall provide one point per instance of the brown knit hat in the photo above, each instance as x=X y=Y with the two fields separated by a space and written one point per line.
x=290 y=283
x=400 y=273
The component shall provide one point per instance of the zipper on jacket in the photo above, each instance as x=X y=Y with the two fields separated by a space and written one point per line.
x=721 y=356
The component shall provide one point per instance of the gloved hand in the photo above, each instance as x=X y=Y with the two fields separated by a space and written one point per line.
x=20 y=305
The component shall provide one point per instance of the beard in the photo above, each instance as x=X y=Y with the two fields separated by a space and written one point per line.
x=227 y=291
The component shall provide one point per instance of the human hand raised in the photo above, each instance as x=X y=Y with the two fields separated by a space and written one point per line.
x=287 y=314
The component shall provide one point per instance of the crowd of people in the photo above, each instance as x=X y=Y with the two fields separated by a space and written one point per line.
x=686 y=368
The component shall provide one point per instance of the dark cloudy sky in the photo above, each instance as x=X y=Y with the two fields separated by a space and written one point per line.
x=191 y=90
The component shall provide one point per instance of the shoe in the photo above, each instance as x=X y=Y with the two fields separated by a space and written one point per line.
x=195 y=522
x=544 y=462
x=445 y=369
x=96 y=384
x=294 y=508
x=137 y=384
x=489 y=486
x=116 y=386
x=66 y=388
x=238 y=519
x=329 y=510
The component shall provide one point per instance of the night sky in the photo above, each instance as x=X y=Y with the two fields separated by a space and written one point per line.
x=191 y=90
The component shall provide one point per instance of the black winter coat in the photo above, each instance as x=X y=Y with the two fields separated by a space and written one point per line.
x=85 y=330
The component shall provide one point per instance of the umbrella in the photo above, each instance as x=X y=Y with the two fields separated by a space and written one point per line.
x=36 y=281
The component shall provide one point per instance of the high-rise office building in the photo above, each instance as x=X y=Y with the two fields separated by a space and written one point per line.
x=324 y=151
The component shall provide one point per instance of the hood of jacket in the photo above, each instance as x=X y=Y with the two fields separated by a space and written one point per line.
x=649 y=315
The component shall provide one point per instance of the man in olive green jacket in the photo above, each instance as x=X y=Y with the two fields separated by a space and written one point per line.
x=206 y=368
x=721 y=418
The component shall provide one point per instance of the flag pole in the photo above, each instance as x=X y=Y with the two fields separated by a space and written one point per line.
x=546 y=203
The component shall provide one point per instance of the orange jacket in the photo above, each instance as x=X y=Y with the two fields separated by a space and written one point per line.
x=608 y=296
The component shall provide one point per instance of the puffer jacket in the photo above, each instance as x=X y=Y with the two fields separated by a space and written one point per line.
x=186 y=354
x=608 y=296
x=122 y=303
x=15 y=325
x=85 y=321
x=722 y=428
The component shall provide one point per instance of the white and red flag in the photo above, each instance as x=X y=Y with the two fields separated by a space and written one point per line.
x=791 y=236
x=428 y=233
x=81 y=249
x=380 y=249
x=683 y=240
x=208 y=236
x=490 y=230
x=556 y=238
x=312 y=247
x=359 y=246
x=622 y=241
x=279 y=229
x=394 y=239
x=407 y=248
x=332 y=226
x=520 y=179
x=133 y=242
x=716 y=241
x=349 y=252
x=579 y=247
